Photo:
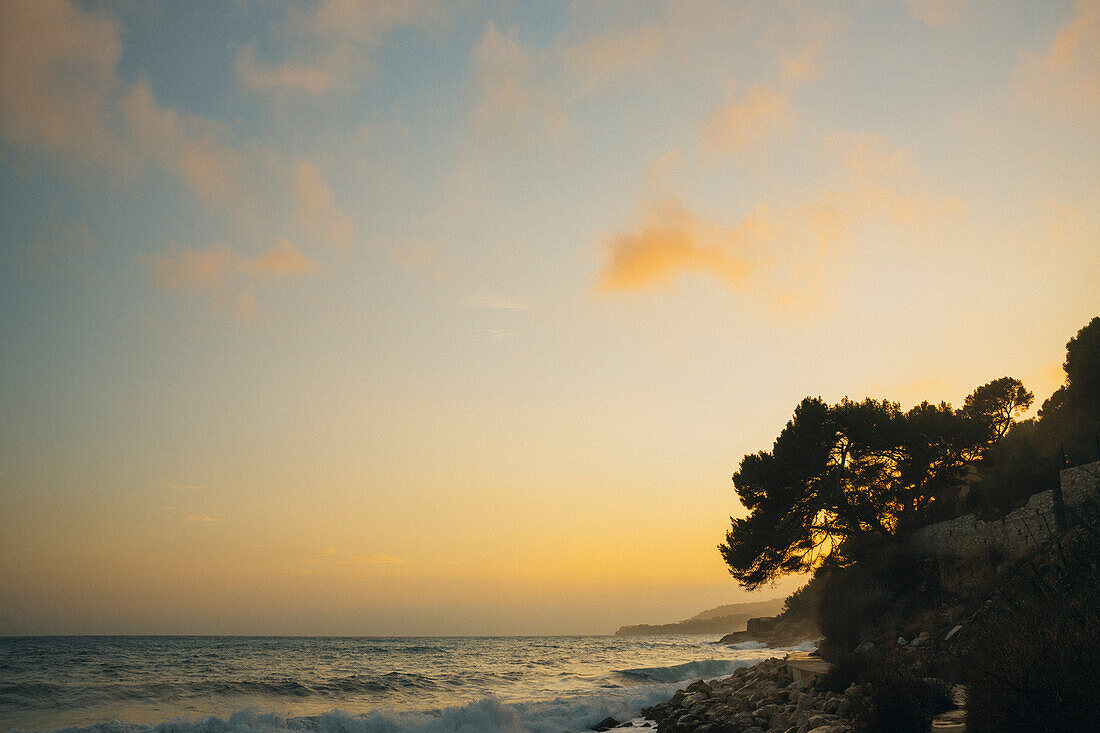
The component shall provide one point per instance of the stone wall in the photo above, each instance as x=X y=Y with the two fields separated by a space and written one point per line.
x=1015 y=534
x=1080 y=483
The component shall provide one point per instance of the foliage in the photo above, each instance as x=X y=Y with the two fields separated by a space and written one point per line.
x=803 y=603
x=863 y=600
x=1067 y=430
x=841 y=473
x=1030 y=658
x=892 y=694
x=998 y=403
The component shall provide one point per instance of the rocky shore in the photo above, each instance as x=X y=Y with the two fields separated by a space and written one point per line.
x=760 y=699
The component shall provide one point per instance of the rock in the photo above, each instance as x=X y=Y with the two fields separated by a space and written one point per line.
x=921 y=639
x=606 y=724
x=902 y=641
x=698 y=686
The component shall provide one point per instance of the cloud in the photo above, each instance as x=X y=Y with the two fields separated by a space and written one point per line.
x=936 y=12
x=280 y=261
x=747 y=120
x=200 y=518
x=212 y=268
x=186 y=487
x=291 y=77
x=604 y=59
x=332 y=45
x=199 y=151
x=509 y=102
x=316 y=210
x=191 y=269
x=1067 y=77
x=670 y=241
x=496 y=301
x=785 y=257
x=57 y=79
x=63 y=96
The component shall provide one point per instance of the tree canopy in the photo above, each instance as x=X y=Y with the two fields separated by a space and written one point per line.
x=838 y=474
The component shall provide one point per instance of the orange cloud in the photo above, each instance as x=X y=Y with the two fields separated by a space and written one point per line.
x=1067 y=77
x=211 y=268
x=747 y=120
x=785 y=257
x=57 y=77
x=671 y=241
x=282 y=260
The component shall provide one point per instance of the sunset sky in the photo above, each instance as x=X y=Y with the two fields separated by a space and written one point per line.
x=456 y=318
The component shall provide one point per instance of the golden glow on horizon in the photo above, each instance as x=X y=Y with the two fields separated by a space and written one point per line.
x=417 y=318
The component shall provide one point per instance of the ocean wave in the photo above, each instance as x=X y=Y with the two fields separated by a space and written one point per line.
x=706 y=668
x=392 y=682
x=487 y=715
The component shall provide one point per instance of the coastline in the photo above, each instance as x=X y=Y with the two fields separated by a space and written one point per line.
x=778 y=695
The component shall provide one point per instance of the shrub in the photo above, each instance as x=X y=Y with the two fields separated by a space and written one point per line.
x=1031 y=659
x=892 y=694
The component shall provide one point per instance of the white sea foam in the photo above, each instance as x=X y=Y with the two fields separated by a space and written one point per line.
x=488 y=715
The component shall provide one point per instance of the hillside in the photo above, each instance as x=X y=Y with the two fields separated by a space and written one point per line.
x=721 y=620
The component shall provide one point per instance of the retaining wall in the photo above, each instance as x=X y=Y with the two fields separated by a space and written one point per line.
x=1015 y=534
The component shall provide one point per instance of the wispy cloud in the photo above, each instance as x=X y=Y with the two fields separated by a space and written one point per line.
x=186 y=487
x=57 y=79
x=509 y=100
x=316 y=209
x=65 y=97
x=332 y=46
x=606 y=57
x=209 y=269
x=219 y=270
x=784 y=257
x=201 y=518
x=747 y=119
x=496 y=301
x=1066 y=78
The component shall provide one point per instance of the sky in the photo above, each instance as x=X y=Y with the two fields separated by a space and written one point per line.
x=427 y=318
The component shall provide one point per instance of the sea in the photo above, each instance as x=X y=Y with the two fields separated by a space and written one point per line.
x=172 y=684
